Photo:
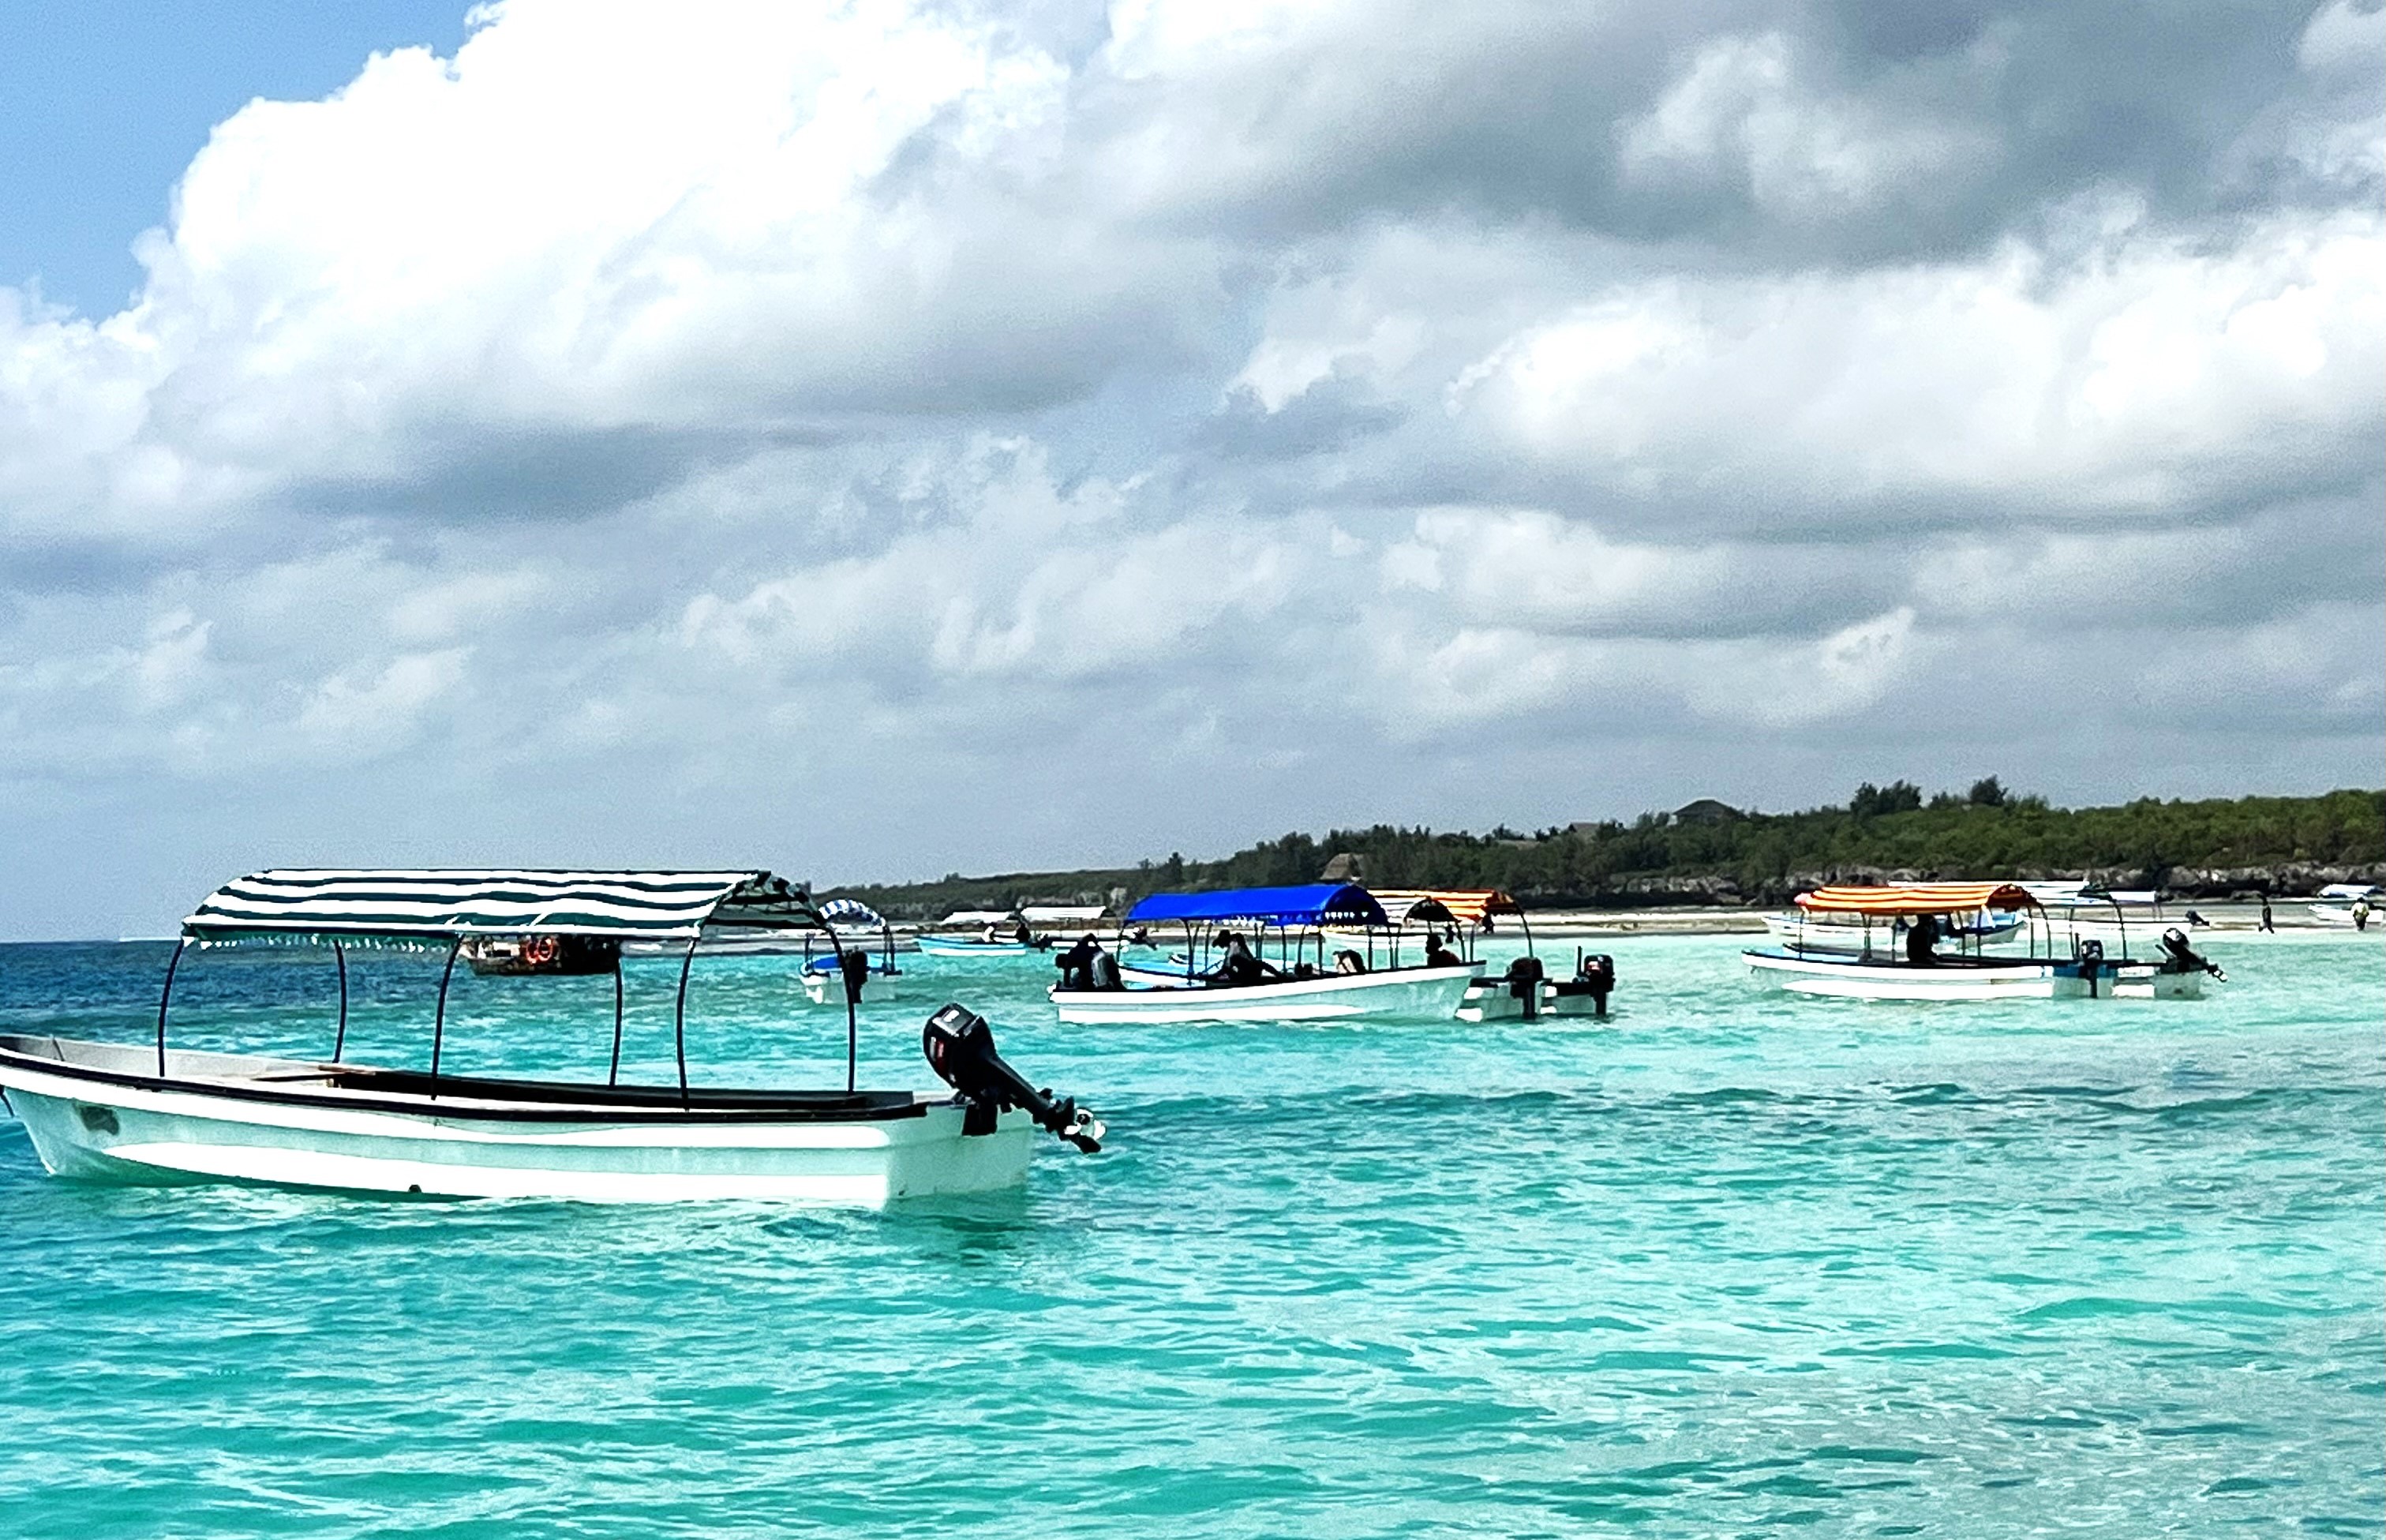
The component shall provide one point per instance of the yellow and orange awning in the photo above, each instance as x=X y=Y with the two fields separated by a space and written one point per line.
x=1917 y=898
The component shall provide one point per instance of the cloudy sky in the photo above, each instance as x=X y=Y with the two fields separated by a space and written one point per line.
x=881 y=439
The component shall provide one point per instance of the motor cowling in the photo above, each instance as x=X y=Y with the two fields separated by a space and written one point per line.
x=1524 y=976
x=853 y=968
x=2183 y=957
x=960 y=1046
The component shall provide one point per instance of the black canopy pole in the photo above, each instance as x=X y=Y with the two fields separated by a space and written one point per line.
x=340 y=1043
x=679 y=1019
x=613 y=1075
x=439 y=1020
x=163 y=996
x=852 y=1041
x=852 y=1023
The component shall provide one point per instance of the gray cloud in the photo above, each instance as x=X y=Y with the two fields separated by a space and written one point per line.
x=1146 y=428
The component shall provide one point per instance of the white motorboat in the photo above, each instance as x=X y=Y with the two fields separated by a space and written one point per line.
x=846 y=972
x=983 y=934
x=2347 y=904
x=1225 y=980
x=1916 y=969
x=1523 y=991
x=160 y=1114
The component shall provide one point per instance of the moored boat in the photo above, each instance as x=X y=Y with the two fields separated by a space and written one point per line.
x=559 y=955
x=162 y=1114
x=2059 y=967
x=1226 y=980
x=1913 y=969
x=995 y=934
x=2347 y=904
x=847 y=970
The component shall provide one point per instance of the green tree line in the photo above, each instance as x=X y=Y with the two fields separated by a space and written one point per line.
x=1707 y=849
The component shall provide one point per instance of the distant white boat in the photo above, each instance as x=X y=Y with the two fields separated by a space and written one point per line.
x=2349 y=905
x=983 y=934
x=1289 y=991
x=849 y=970
x=1916 y=971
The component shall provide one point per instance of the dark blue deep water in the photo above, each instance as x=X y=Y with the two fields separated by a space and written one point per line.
x=1733 y=1264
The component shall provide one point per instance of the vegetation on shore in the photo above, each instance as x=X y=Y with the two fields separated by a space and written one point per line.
x=1707 y=852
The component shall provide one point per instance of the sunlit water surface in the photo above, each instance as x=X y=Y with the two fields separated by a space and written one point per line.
x=1732 y=1263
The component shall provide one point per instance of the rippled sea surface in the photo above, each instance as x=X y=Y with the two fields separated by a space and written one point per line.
x=1732 y=1263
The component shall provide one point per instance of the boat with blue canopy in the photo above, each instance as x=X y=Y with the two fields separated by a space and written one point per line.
x=157 y=1113
x=1227 y=974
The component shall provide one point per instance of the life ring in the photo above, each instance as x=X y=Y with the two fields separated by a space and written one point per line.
x=539 y=951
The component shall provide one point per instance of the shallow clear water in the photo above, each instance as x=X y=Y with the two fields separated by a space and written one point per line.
x=1733 y=1263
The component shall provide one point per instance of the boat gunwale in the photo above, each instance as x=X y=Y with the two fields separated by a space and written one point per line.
x=656 y=1106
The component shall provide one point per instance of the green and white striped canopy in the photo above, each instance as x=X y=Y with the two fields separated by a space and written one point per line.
x=433 y=903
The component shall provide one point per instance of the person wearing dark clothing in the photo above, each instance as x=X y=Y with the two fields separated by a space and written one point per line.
x=1437 y=953
x=1077 y=964
x=2265 y=913
x=1922 y=940
x=1237 y=967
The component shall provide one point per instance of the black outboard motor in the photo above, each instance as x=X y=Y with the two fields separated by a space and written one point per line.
x=1524 y=982
x=2091 y=962
x=853 y=964
x=1598 y=970
x=2180 y=957
x=960 y=1046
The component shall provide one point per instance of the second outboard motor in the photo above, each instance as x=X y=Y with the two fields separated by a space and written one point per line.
x=853 y=966
x=1524 y=980
x=960 y=1046
x=2091 y=962
x=1599 y=972
x=2180 y=957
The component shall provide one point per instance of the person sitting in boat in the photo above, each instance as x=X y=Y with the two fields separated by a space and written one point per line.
x=1922 y=940
x=992 y=935
x=1237 y=967
x=1439 y=952
x=1086 y=965
x=1020 y=933
x=1349 y=961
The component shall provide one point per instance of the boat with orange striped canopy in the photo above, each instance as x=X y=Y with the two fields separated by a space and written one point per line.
x=1912 y=919
x=1523 y=990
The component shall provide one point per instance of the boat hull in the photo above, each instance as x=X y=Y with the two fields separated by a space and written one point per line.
x=86 y=1120
x=2139 y=981
x=1848 y=978
x=1423 y=992
x=821 y=988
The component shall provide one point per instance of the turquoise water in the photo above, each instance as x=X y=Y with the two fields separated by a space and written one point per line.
x=1734 y=1263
